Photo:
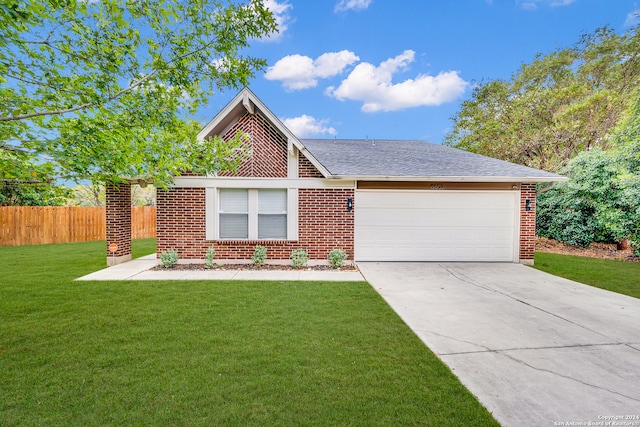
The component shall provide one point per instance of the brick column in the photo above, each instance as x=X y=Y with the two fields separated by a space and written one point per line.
x=118 y=207
x=527 y=223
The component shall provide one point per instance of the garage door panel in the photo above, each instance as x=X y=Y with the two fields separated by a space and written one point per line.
x=435 y=226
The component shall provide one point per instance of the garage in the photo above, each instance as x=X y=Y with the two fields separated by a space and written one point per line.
x=436 y=225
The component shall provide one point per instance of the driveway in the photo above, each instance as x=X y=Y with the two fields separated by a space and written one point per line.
x=536 y=349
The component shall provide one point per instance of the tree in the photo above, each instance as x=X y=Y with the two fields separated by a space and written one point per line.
x=556 y=107
x=88 y=195
x=103 y=90
x=601 y=202
x=95 y=195
x=26 y=183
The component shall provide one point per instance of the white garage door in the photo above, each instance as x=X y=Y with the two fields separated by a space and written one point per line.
x=436 y=225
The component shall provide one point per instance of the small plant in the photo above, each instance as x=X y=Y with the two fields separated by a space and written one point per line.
x=168 y=258
x=209 y=256
x=337 y=257
x=299 y=257
x=259 y=255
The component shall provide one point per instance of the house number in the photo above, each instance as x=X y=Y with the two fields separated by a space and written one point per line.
x=437 y=186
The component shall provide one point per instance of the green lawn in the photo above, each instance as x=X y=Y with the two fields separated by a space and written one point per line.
x=617 y=276
x=208 y=353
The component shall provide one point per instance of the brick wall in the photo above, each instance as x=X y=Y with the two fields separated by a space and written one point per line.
x=118 y=213
x=306 y=169
x=267 y=145
x=180 y=221
x=324 y=224
x=527 y=223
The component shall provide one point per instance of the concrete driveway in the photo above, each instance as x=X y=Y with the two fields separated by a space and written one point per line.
x=537 y=350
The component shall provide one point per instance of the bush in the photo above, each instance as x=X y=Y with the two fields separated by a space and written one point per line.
x=259 y=255
x=634 y=242
x=337 y=257
x=299 y=257
x=168 y=258
x=599 y=204
x=209 y=256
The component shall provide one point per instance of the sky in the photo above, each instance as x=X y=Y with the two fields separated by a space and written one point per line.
x=400 y=69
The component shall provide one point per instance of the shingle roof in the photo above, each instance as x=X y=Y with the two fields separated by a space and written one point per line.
x=413 y=159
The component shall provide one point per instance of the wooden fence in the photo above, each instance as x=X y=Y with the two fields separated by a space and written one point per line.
x=37 y=225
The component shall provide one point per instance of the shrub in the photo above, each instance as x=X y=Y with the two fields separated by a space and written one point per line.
x=337 y=257
x=299 y=257
x=634 y=242
x=599 y=203
x=168 y=258
x=259 y=255
x=209 y=256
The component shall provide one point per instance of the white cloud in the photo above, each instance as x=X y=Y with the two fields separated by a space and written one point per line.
x=374 y=87
x=302 y=72
x=633 y=18
x=280 y=12
x=344 y=5
x=534 y=4
x=305 y=126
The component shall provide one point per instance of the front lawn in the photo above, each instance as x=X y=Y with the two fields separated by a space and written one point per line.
x=208 y=353
x=617 y=276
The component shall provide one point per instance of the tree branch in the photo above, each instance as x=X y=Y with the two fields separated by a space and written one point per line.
x=78 y=107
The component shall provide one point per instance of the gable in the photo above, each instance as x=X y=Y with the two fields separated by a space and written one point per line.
x=267 y=147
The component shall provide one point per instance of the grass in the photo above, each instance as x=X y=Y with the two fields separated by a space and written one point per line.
x=208 y=353
x=617 y=276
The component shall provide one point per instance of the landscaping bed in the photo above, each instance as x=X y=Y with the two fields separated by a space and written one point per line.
x=264 y=267
x=595 y=250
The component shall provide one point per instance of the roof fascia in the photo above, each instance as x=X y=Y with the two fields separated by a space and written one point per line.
x=556 y=178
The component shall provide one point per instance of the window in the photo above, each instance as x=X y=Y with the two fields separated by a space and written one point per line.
x=272 y=214
x=252 y=214
x=234 y=214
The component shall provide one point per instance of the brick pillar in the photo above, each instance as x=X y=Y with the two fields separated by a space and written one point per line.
x=527 y=223
x=118 y=207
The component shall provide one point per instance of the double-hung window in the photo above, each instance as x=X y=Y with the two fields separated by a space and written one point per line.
x=272 y=214
x=234 y=214
x=254 y=214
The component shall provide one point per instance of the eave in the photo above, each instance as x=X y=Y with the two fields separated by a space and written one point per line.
x=522 y=179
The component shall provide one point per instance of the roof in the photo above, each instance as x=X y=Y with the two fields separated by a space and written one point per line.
x=380 y=160
x=415 y=160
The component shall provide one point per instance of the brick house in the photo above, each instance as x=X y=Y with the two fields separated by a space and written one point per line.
x=378 y=200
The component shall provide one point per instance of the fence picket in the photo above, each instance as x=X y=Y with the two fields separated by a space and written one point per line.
x=37 y=225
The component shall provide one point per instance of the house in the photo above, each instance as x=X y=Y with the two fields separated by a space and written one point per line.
x=378 y=200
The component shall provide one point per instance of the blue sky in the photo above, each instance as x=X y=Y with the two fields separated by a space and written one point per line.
x=399 y=69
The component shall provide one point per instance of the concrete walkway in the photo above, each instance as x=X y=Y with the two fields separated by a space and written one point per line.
x=536 y=349
x=139 y=269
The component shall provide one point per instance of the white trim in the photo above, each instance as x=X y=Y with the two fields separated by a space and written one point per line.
x=251 y=102
x=292 y=160
x=324 y=171
x=292 y=214
x=253 y=215
x=247 y=104
x=233 y=182
x=212 y=232
x=211 y=213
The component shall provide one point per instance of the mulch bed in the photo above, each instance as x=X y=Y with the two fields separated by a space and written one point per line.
x=265 y=267
x=595 y=250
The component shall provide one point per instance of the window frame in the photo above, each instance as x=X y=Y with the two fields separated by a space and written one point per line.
x=212 y=201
